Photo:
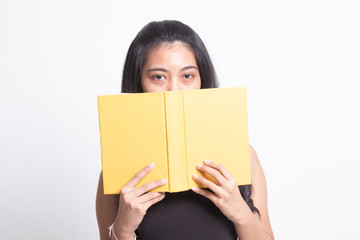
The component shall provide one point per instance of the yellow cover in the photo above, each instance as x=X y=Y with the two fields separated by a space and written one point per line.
x=176 y=130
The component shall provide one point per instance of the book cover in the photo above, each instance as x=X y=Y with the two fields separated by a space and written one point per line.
x=176 y=130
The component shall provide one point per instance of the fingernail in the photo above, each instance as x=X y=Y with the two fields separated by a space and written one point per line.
x=164 y=181
x=198 y=166
x=194 y=188
x=206 y=161
x=195 y=176
x=151 y=165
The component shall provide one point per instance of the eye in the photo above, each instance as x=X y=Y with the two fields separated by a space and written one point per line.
x=158 y=77
x=188 y=76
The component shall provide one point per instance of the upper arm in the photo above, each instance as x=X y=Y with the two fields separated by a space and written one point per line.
x=106 y=209
x=259 y=192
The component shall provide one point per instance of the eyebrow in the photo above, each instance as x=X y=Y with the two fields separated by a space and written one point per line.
x=165 y=70
x=157 y=69
x=189 y=67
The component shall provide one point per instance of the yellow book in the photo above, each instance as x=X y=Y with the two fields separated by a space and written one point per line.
x=176 y=130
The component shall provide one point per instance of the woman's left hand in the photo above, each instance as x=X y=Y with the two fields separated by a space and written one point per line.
x=226 y=194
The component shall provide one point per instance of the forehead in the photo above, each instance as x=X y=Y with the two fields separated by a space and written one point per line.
x=176 y=53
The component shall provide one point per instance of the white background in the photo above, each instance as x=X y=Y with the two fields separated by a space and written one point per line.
x=300 y=61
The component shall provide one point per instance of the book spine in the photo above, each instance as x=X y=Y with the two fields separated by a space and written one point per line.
x=177 y=162
x=167 y=143
x=185 y=144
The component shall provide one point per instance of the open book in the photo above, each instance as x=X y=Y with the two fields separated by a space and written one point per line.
x=176 y=130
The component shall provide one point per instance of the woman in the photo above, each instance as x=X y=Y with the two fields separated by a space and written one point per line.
x=167 y=56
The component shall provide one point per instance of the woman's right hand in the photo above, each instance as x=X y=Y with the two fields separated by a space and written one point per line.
x=134 y=202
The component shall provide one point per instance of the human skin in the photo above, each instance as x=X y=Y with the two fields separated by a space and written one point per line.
x=170 y=67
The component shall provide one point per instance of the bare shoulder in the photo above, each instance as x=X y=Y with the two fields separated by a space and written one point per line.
x=253 y=157
x=259 y=193
x=106 y=209
x=257 y=172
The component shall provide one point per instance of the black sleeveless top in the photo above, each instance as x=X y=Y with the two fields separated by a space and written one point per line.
x=185 y=215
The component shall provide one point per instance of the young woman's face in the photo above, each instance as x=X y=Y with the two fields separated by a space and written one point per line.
x=171 y=66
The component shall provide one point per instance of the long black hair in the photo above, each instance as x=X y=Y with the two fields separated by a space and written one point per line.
x=170 y=31
x=150 y=37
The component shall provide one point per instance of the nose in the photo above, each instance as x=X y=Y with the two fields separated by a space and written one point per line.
x=174 y=85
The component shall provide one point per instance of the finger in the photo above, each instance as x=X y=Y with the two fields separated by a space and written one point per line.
x=209 y=184
x=139 y=176
x=149 y=196
x=215 y=173
x=149 y=186
x=205 y=193
x=220 y=168
x=153 y=201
